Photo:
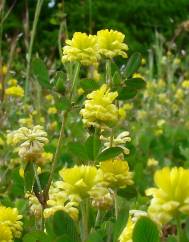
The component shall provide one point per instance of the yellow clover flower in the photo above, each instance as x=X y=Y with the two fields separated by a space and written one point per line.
x=15 y=91
x=59 y=200
x=12 y=82
x=111 y=43
x=116 y=173
x=118 y=141
x=5 y=234
x=138 y=75
x=171 y=195
x=152 y=162
x=102 y=197
x=99 y=108
x=4 y=70
x=52 y=110
x=81 y=48
x=11 y=218
x=185 y=84
x=79 y=180
x=34 y=204
x=31 y=141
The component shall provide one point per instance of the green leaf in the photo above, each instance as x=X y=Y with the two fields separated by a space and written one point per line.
x=120 y=223
x=109 y=153
x=135 y=83
x=128 y=192
x=43 y=178
x=132 y=65
x=171 y=239
x=95 y=237
x=88 y=85
x=29 y=176
x=36 y=236
x=77 y=149
x=63 y=238
x=145 y=230
x=17 y=188
x=92 y=145
x=64 y=226
x=63 y=103
x=126 y=93
x=40 y=71
x=60 y=82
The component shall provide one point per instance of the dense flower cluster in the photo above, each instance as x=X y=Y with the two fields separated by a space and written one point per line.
x=111 y=43
x=15 y=91
x=31 y=141
x=82 y=48
x=59 y=200
x=10 y=224
x=118 y=141
x=116 y=173
x=87 y=49
x=82 y=182
x=99 y=109
x=171 y=195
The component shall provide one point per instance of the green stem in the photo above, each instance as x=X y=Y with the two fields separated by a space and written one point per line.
x=61 y=136
x=56 y=156
x=29 y=55
x=74 y=82
x=40 y=198
x=108 y=72
x=60 y=39
x=97 y=220
x=84 y=211
x=36 y=177
x=115 y=204
x=179 y=229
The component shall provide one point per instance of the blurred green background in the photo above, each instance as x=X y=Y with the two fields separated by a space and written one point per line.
x=138 y=19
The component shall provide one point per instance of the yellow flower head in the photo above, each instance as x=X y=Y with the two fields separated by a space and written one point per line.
x=118 y=141
x=179 y=95
x=4 y=70
x=102 y=197
x=52 y=110
x=185 y=84
x=152 y=162
x=171 y=195
x=116 y=173
x=138 y=75
x=5 y=234
x=45 y=158
x=12 y=82
x=49 y=98
x=82 y=48
x=35 y=206
x=52 y=126
x=79 y=180
x=15 y=91
x=99 y=108
x=60 y=200
x=28 y=122
x=111 y=43
x=80 y=91
x=31 y=141
x=11 y=218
